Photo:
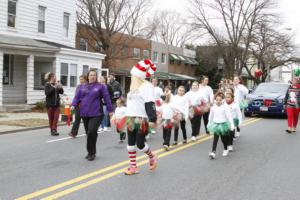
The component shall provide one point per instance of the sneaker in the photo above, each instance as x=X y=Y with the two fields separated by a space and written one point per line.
x=121 y=141
x=147 y=137
x=131 y=171
x=105 y=129
x=91 y=157
x=167 y=148
x=54 y=133
x=153 y=163
x=100 y=130
x=194 y=139
x=212 y=155
x=237 y=134
x=225 y=152
x=288 y=131
x=153 y=132
x=72 y=135
x=230 y=148
x=175 y=143
x=184 y=142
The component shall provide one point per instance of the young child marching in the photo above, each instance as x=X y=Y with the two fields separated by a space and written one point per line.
x=220 y=124
x=196 y=108
x=171 y=115
x=181 y=100
x=119 y=119
x=236 y=115
x=140 y=113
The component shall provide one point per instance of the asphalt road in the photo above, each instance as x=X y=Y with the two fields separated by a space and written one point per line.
x=265 y=164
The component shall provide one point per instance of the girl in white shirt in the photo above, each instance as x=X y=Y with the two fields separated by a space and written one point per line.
x=236 y=115
x=119 y=119
x=240 y=93
x=196 y=104
x=181 y=101
x=220 y=124
x=171 y=115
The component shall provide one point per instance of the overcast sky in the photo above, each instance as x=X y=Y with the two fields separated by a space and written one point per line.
x=289 y=10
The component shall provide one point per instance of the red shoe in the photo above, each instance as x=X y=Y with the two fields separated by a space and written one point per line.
x=131 y=171
x=153 y=162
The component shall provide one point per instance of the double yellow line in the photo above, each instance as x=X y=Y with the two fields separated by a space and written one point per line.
x=93 y=181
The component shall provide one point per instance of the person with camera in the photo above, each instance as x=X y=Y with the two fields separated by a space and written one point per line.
x=52 y=91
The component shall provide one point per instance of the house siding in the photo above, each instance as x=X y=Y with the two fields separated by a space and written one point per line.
x=27 y=20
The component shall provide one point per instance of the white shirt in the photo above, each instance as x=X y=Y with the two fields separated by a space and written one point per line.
x=235 y=111
x=220 y=114
x=168 y=110
x=158 y=92
x=136 y=100
x=120 y=112
x=183 y=103
x=240 y=92
x=195 y=98
x=208 y=93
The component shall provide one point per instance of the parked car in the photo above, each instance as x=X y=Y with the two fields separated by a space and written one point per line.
x=267 y=98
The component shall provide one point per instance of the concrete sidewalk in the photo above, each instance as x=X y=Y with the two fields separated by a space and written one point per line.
x=15 y=122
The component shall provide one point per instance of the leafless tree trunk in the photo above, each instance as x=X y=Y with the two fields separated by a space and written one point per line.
x=108 y=20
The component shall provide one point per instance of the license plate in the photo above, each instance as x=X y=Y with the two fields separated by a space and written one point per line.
x=263 y=108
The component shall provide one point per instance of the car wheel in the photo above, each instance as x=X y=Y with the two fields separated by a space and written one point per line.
x=248 y=114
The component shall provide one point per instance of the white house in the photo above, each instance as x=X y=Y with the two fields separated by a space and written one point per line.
x=38 y=36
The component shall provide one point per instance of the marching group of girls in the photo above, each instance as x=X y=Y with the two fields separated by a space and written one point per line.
x=148 y=108
x=221 y=112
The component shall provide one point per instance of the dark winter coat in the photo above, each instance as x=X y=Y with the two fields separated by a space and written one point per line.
x=52 y=95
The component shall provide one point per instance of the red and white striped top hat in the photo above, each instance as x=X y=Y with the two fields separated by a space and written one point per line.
x=143 y=69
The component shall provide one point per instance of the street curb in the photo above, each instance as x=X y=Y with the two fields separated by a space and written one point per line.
x=28 y=129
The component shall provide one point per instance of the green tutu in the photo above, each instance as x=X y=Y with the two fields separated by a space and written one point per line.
x=236 y=122
x=243 y=104
x=220 y=129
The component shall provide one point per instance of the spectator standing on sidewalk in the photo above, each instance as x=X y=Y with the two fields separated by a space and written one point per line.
x=52 y=91
x=76 y=124
x=116 y=87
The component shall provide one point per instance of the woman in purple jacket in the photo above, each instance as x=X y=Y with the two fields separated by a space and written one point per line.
x=90 y=96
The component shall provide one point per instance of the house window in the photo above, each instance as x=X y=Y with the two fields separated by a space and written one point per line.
x=124 y=51
x=85 y=69
x=8 y=64
x=64 y=72
x=163 y=58
x=12 y=13
x=99 y=46
x=155 y=56
x=136 y=53
x=146 y=54
x=83 y=44
x=73 y=75
x=42 y=19
x=66 y=24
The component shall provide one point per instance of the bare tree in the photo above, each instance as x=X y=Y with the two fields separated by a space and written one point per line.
x=106 y=21
x=170 y=28
x=230 y=24
x=272 y=48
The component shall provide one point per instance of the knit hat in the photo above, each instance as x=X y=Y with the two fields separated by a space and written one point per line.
x=143 y=69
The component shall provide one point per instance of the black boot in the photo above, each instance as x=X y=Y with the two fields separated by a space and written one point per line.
x=54 y=133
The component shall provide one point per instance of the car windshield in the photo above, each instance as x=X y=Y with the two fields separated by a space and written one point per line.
x=271 y=88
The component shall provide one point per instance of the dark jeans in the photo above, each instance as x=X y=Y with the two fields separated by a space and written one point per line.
x=76 y=123
x=136 y=137
x=91 y=125
x=225 y=141
x=183 y=129
x=196 y=123
x=231 y=136
x=205 y=119
x=167 y=136
x=53 y=115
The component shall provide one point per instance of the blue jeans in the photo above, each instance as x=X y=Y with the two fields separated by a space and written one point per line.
x=104 y=122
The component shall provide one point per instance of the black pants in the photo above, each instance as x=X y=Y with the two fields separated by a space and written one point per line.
x=205 y=119
x=183 y=129
x=224 y=139
x=136 y=137
x=196 y=123
x=167 y=136
x=231 y=136
x=76 y=123
x=91 y=125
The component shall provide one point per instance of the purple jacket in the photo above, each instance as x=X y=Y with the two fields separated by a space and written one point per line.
x=90 y=97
